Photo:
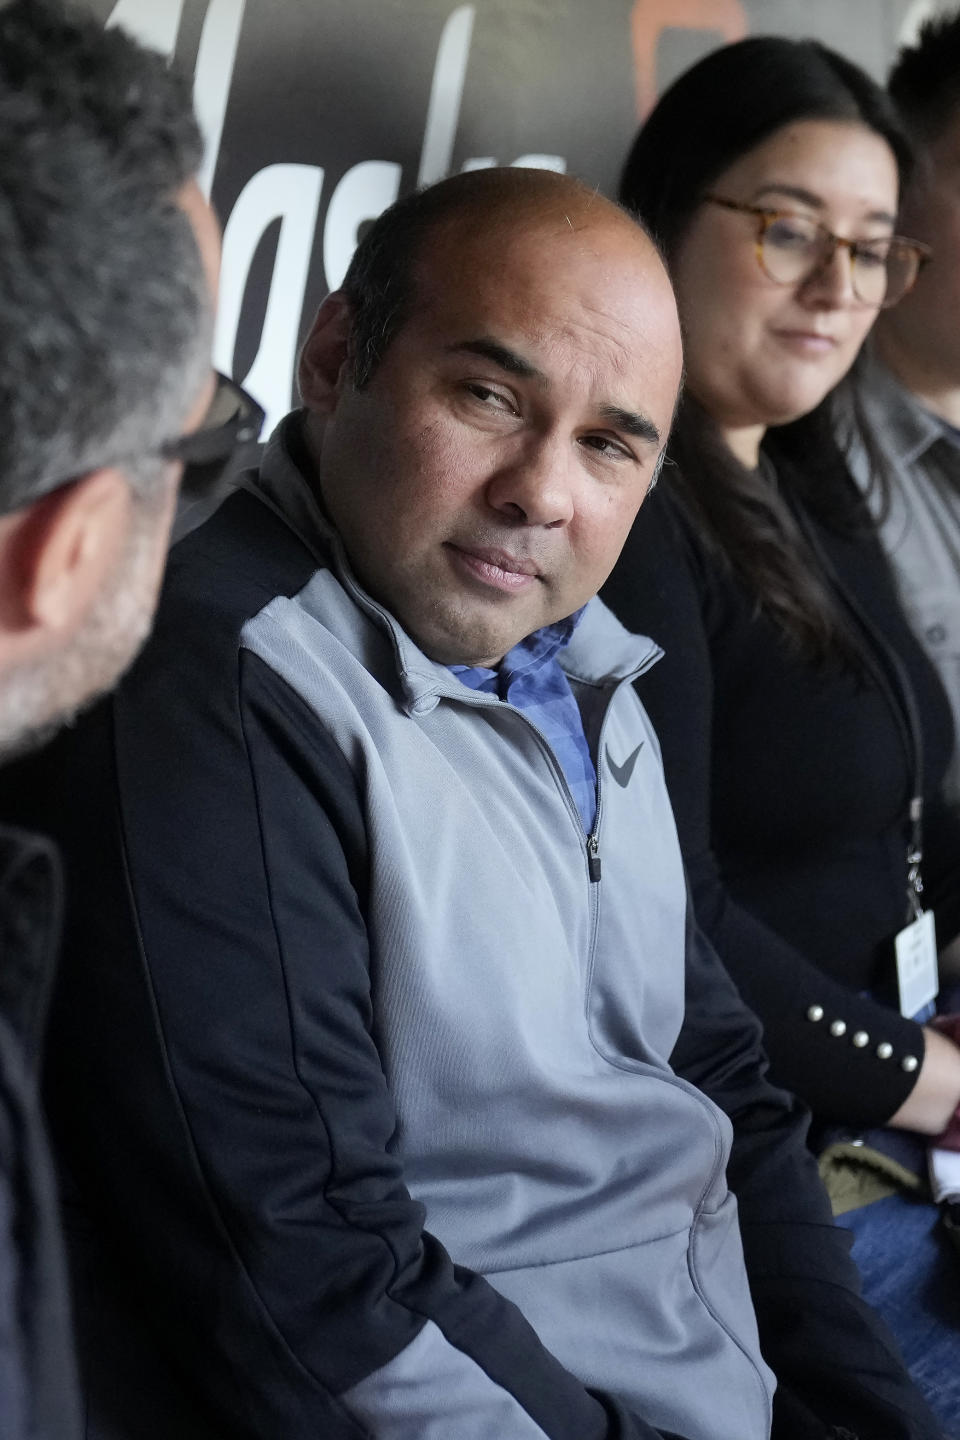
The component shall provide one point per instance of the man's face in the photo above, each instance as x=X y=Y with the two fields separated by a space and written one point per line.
x=926 y=323
x=66 y=669
x=485 y=479
x=45 y=691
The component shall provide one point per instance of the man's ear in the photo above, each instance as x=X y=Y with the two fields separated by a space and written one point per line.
x=65 y=547
x=325 y=357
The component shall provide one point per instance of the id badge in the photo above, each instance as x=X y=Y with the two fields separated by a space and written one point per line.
x=918 y=980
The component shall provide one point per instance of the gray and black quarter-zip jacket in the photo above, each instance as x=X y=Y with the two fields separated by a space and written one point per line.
x=362 y=1071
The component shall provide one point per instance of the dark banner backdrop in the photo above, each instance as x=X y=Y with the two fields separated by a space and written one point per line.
x=319 y=113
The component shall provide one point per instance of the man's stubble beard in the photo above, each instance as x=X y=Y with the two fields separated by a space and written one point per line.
x=38 y=698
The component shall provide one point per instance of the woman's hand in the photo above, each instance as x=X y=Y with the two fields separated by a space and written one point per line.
x=932 y=1103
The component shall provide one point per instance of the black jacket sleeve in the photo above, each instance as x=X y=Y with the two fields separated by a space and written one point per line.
x=38 y=1393
x=222 y=1111
x=661 y=588
x=837 y=1367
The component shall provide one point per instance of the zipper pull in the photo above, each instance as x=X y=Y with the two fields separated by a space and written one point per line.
x=593 y=858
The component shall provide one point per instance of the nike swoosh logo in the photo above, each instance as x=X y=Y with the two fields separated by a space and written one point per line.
x=622 y=773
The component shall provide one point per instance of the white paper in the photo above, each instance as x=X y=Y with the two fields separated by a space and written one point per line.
x=944 y=1168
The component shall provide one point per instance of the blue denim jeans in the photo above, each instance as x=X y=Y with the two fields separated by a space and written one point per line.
x=911 y=1275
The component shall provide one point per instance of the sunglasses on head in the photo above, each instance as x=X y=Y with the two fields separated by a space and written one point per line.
x=233 y=419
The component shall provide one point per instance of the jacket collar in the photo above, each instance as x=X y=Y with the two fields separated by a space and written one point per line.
x=600 y=651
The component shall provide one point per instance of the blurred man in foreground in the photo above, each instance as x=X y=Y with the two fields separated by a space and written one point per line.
x=108 y=260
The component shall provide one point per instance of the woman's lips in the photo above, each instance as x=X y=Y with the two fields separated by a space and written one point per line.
x=807 y=342
x=496 y=568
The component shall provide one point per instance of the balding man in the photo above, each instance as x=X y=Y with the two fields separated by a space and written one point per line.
x=373 y=1080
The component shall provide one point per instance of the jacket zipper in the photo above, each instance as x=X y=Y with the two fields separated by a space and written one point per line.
x=593 y=854
x=591 y=841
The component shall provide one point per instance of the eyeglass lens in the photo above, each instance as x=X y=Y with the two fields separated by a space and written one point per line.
x=793 y=248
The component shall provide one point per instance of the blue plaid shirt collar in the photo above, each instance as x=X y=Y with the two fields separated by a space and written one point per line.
x=531 y=678
x=526 y=657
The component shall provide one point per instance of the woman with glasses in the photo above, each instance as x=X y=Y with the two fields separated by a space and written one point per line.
x=804 y=734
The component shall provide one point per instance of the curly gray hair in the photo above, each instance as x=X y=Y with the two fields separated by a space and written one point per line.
x=104 y=307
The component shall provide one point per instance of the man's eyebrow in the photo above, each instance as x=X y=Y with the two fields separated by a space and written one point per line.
x=813 y=201
x=502 y=356
x=631 y=422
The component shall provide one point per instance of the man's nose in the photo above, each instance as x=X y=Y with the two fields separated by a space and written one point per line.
x=535 y=487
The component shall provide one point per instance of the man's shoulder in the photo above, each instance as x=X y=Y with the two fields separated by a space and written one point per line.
x=30 y=905
x=36 y=1371
x=246 y=559
x=37 y=1376
x=240 y=559
x=603 y=651
x=898 y=422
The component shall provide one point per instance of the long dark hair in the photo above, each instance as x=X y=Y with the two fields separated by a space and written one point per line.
x=716 y=112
